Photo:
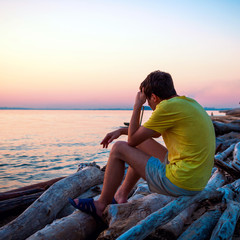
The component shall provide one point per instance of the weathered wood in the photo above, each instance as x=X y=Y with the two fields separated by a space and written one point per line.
x=167 y=213
x=229 y=136
x=19 y=202
x=7 y=196
x=76 y=226
x=121 y=217
x=219 y=161
x=234 y=112
x=90 y=193
x=223 y=145
x=227 y=222
x=236 y=157
x=174 y=228
x=222 y=128
x=44 y=210
x=224 y=141
x=222 y=156
x=226 y=119
x=21 y=191
x=202 y=228
x=228 y=168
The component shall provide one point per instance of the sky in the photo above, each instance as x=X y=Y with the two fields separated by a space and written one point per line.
x=95 y=54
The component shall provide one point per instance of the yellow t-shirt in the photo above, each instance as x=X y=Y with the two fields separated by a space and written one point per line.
x=188 y=133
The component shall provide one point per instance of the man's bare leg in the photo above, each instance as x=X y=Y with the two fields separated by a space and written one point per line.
x=152 y=148
x=129 y=182
x=121 y=152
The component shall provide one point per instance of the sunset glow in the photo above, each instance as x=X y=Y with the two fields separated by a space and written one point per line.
x=78 y=54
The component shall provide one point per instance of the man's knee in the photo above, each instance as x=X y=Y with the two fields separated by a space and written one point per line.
x=119 y=147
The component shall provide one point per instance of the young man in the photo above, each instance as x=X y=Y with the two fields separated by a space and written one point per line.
x=183 y=167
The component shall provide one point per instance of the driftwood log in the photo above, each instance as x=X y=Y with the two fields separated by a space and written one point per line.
x=227 y=223
x=44 y=210
x=18 y=202
x=14 y=202
x=233 y=168
x=233 y=112
x=202 y=228
x=31 y=189
x=142 y=214
x=90 y=193
x=224 y=141
x=131 y=213
x=165 y=214
x=77 y=226
x=236 y=157
x=121 y=217
x=174 y=228
x=222 y=128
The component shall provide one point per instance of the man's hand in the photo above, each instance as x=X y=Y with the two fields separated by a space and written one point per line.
x=110 y=137
x=140 y=98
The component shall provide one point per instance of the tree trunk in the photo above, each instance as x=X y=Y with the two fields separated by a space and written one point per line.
x=174 y=228
x=219 y=160
x=121 y=217
x=236 y=157
x=77 y=226
x=223 y=155
x=44 y=210
x=18 y=202
x=34 y=188
x=91 y=193
x=227 y=222
x=167 y=213
x=202 y=228
x=228 y=168
x=222 y=128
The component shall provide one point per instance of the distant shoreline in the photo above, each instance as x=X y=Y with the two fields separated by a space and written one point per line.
x=145 y=108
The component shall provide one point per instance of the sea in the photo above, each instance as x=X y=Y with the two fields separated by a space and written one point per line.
x=39 y=145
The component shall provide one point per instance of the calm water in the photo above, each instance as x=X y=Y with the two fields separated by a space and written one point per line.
x=38 y=145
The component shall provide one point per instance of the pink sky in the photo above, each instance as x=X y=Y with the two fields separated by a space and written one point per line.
x=86 y=54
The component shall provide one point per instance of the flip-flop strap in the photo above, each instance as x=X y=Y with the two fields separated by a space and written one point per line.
x=86 y=205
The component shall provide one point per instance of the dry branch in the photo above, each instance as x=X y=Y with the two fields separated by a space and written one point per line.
x=19 y=202
x=227 y=222
x=202 y=228
x=236 y=157
x=174 y=228
x=228 y=167
x=28 y=189
x=121 y=217
x=44 y=210
x=77 y=226
x=171 y=210
x=222 y=128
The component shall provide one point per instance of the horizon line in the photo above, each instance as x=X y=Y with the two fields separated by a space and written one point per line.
x=103 y=108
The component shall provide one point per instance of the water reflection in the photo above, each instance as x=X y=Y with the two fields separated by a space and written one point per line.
x=40 y=145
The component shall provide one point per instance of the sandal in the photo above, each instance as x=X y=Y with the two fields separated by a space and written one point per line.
x=114 y=201
x=85 y=205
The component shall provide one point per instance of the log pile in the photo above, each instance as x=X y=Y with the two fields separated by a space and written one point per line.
x=212 y=214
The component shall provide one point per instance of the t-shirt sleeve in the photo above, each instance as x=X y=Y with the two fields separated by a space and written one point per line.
x=160 y=120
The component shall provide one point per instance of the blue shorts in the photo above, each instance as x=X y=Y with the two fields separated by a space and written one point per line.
x=158 y=182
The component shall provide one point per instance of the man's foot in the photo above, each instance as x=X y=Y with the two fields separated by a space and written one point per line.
x=94 y=208
x=119 y=199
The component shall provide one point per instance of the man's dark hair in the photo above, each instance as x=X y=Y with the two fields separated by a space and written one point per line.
x=159 y=83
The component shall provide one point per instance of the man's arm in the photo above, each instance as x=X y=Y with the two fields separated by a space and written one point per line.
x=137 y=134
x=113 y=135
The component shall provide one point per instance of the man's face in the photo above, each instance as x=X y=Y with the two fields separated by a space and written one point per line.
x=153 y=101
